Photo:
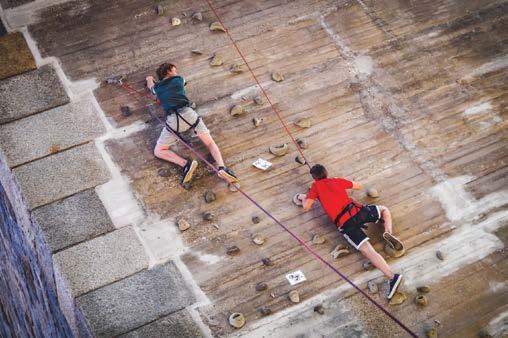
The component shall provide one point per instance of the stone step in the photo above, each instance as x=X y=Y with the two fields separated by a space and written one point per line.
x=136 y=300
x=16 y=57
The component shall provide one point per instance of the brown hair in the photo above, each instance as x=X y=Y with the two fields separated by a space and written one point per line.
x=318 y=172
x=163 y=70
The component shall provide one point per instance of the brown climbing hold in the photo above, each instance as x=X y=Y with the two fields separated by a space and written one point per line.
x=255 y=219
x=304 y=122
x=209 y=216
x=259 y=100
x=261 y=286
x=209 y=196
x=300 y=159
x=258 y=239
x=439 y=255
x=55 y=148
x=421 y=300
x=232 y=249
x=217 y=27
x=372 y=286
x=277 y=77
x=423 y=289
x=237 y=68
x=265 y=311
x=372 y=192
x=183 y=224
x=126 y=111
x=237 y=320
x=216 y=60
x=339 y=251
x=236 y=110
x=302 y=143
x=160 y=10
x=175 y=22
x=197 y=52
x=319 y=309
x=267 y=261
x=294 y=296
x=197 y=16
x=257 y=121
x=318 y=239
x=398 y=298
x=164 y=172
x=431 y=333
x=280 y=149
x=367 y=265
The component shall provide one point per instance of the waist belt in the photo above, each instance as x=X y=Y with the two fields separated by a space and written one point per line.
x=347 y=209
x=179 y=116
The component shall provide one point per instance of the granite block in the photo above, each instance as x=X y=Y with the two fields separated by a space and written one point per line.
x=102 y=260
x=74 y=219
x=41 y=90
x=136 y=300
x=49 y=132
x=15 y=56
x=61 y=175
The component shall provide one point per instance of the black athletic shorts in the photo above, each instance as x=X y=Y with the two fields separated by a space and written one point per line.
x=352 y=230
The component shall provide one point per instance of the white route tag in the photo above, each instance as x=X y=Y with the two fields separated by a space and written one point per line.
x=262 y=164
x=296 y=277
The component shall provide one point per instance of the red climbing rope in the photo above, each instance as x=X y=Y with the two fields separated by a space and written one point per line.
x=307 y=247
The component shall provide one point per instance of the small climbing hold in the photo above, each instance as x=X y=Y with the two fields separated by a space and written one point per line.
x=197 y=52
x=267 y=261
x=318 y=239
x=197 y=16
x=261 y=286
x=209 y=196
x=319 y=309
x=439 y=255
x=175 y=22
x=237 y=68
x=236 y=110
x=126 y=111
x=277 y=77
x=257 y=121
x=279 y=150
x=259 y=100
x=304 y=122
x=192 y=105
x=421 y=300
x=398 y=298
x=183 y=224
x=297 y=201
x=265 y=311
x=258 y=239
x=209 y=216
x=423 y=289
x=216 y=226
x=237 y=320
x=216 y=60
x=55 y=148
x=367 y=265
x=339 y=251
x=431 y=333
x=232 y=249
x=164 y=172
x=302 y=143
x=294 y=296
x=372 y=192
x=372 y=285
x=255 y=219
x=300 y=159
x=272 y=294
x=217 y=27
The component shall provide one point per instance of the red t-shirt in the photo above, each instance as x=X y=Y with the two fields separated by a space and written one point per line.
x=333 y=196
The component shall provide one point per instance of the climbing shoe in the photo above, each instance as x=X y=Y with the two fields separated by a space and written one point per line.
x=188 y=170
x=394 y=284
x=228 y=175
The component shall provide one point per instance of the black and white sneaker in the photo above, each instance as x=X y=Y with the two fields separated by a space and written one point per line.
x=188 y=170
x=394 y=284
x=228 y=175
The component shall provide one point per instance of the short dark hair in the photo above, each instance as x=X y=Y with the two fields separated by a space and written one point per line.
x=318 y=172
x=163 y=69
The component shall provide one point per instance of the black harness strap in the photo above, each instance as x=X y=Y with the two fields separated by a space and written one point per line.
x=347 y=209
x=179 y=116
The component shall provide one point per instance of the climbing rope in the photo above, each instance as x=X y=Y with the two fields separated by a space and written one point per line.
x=153 y=113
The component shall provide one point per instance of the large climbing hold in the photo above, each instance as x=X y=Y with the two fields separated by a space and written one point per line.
x=217 y=27
x=280 y=149
x=237 y=320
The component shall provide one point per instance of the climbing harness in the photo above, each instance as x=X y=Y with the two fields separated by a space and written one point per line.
x=347 y=209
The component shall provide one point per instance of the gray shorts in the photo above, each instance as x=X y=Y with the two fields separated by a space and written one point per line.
x=167 y=138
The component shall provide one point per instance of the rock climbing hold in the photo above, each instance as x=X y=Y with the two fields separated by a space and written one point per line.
x=398 y=298
x=431 y=333
x=421 y=300
x=339 y=251
x=297 y=201
x=237 y=320
x=372 y=285
x=160 y=10
x=175 y=21
x=302 y=143
x=372 y=192
x=257 y=121
x=294 y=296
x=232 y=249
x=267 y=261
x=367 y=265
x=55 y=148
x=183 y=224
x=277 y=77
x=394 y=246
x=209 y=196
x=217 y=27
x=440 y=255
x=265 y=311
x=304 y=122
x=259 y=100
x=280 y=149
x=197 y=16
x=318 y=239
x=216 y=60
x=209 y=216
x=237 y=68
x=164 y=172
x=319 y=309
x=300 y=159
x=236 y=110
x=258 y=239
x=423 y=289
x=197 y=52
x=261 y=286
x=126 y=111
x=255 y=219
